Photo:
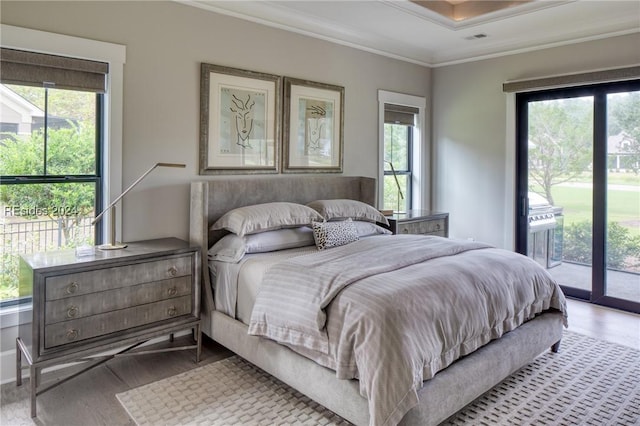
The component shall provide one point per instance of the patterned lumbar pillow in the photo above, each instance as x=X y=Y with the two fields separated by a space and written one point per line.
x=334 y=234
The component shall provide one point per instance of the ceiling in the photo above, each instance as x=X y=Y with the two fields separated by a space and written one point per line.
x=437 y=33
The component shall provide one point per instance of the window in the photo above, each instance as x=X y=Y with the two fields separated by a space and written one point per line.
x=399 y=122
x=403 y=153
x=50 y=164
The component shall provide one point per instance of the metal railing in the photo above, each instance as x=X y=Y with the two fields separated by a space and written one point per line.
x=31 y=236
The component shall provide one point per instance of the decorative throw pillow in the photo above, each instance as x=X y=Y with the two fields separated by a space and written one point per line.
x=266 y=217
x=340 y=209
x=334 y=234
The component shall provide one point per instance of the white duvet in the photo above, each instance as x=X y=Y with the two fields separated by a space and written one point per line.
x=393 y=311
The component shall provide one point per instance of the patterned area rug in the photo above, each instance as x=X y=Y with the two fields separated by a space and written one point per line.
x=590 y=382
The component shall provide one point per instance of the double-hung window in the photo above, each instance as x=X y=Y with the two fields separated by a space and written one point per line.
x=399 y=123
x=51 y=116
x=402 y=152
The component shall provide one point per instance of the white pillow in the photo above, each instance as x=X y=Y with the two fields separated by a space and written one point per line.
x=340 y=209
x=232 y=248
x=334 y=234
x=266 y=217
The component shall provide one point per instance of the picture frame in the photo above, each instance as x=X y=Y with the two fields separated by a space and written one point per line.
x=313 y=127
x=240 y=121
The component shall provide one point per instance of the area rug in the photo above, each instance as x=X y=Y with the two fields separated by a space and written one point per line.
x=590 y=382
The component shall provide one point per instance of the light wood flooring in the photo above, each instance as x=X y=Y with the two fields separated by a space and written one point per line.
x=89 y=399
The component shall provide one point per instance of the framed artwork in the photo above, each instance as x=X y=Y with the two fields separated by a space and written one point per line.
x=313 y=127
x=240 y=116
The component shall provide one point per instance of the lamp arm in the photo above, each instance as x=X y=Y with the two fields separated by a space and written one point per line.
x=114 y=202
x=396 y=178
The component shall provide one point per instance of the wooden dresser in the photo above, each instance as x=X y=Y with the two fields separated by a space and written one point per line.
x=83 y=306
x=420 y=222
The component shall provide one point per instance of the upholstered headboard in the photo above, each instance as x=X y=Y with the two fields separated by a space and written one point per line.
x=213 y=198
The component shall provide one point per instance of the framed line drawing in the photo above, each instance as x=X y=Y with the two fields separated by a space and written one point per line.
x=312 y=127
x=240 y=116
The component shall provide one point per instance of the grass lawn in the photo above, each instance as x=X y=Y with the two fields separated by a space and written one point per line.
x=623 y=206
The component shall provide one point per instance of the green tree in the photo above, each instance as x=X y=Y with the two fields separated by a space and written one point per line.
x=70 y=150
x=560 y=141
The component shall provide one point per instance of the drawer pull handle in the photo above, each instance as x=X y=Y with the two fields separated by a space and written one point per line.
x=72 y=288
x=438 y=226
x=173 y=271
x=72 y=334
x=172 y=291
x=72 y=311
x=172 y=311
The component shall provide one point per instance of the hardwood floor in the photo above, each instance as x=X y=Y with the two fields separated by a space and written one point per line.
x=89 y=399
x=604 y=323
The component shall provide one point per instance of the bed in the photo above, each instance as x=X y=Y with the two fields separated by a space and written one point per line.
x=445 y=392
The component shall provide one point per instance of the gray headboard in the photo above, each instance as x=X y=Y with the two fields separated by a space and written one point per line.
x=213 y=198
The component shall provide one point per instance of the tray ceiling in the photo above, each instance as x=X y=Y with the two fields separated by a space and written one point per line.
x=436 y=33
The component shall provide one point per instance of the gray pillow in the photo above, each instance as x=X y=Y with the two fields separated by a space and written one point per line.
x=232 y=248
x=266 y=217
x=367 y=229
x=340 y=209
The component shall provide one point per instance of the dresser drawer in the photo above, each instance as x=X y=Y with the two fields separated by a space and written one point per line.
x=97 y=303
x=99 y=325
x=80 y=283
x=435 y=227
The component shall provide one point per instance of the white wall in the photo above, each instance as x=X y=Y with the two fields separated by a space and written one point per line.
x=166 y=42
x=474 y=135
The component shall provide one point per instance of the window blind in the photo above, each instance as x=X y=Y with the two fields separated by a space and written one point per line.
x=572 y=80
x=60 y=72
x=400 y=114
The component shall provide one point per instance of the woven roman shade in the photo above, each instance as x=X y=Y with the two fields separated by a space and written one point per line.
x=400 y=114
x=572 y=80
x=60 y=72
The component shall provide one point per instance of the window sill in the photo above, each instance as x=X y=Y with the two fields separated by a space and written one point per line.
x=11 y=316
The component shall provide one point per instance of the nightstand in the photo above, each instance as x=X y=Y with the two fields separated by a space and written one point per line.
x=109 y=300
x=420 y=222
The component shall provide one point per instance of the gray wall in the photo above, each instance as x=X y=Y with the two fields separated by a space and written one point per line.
x=166 y=42
x=473 y=130
x=472 y=126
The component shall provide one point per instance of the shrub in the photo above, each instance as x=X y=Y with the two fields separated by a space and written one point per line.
x=623 y=249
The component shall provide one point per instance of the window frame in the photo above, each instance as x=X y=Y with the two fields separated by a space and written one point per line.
x=402 y=172
x=420 y=153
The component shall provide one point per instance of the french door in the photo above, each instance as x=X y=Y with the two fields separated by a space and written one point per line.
x=578 y=173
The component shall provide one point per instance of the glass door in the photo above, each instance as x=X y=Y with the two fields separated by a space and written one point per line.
x=578 y=184
x=623 y=196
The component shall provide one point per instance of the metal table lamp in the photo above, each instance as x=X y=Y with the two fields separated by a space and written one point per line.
x=112 y=244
